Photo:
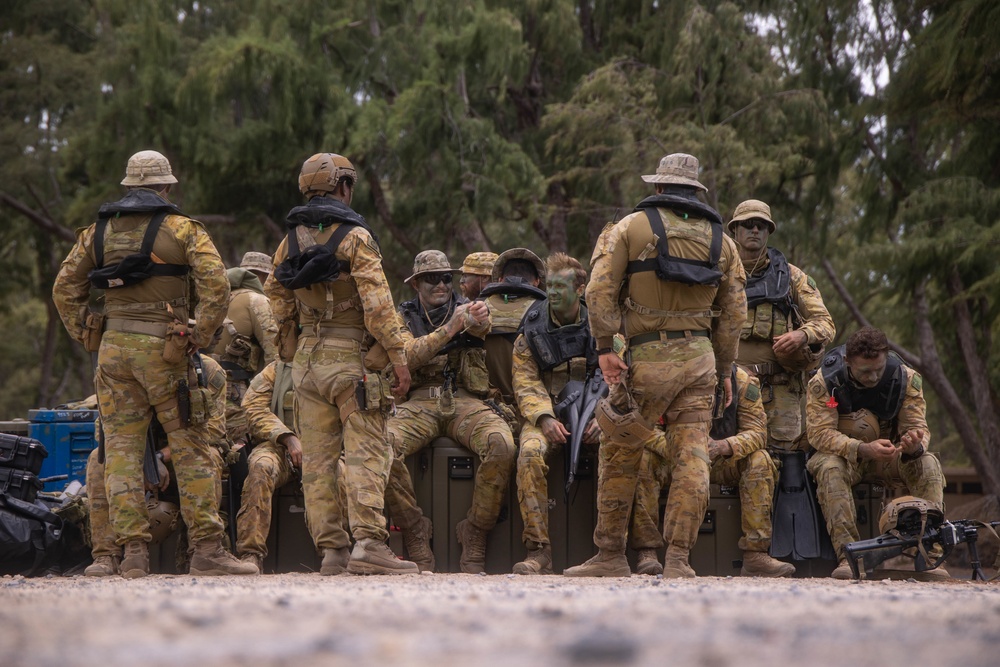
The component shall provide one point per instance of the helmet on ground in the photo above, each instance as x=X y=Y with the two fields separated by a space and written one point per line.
x=752 y=209
x=860 y=424
x=323 y=171
x=910 y=516
x=148 y=168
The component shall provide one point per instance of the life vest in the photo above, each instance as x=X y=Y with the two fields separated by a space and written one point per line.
x=884 y=400
x=769 y=300
x=552 y=347
x=463 y=355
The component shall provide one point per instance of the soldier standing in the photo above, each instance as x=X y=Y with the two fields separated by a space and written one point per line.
x=153 y=262
x=476 y=271
x=329 y=284
x=669 y=278
x=787 y=323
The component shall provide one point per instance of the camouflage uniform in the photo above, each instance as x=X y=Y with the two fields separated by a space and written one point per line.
x=102 y=535
x=836 y=465
x=132 y=378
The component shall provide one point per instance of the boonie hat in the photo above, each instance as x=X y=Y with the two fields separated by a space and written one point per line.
x=679 y=169
x=518 y=253
x=148 y=168
x=430 y=261
x=256 y=261
x=750 y=209
x=480 y=263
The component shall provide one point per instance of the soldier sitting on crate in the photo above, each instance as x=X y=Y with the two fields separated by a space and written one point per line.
x=738 y=458
x=554 y=348
x=449 y=383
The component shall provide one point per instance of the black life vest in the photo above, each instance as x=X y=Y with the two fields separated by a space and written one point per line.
x=552 y=347
x=773 y=286
x=139 y=266
x=513 y=286
x=418 y=321
x=884 y=400
x=727 y=425
x=679 y=269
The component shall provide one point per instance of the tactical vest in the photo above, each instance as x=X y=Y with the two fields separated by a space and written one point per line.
x=241 y=356
x=552 y=347
x=728 y=425
x=769 y=300
x=510 y=300
x=679 y=269
x=884 y=400
x=282 y=396
x=463 y=356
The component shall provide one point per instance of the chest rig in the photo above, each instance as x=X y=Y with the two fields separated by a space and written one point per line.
x=770 y=309
x=884 y=400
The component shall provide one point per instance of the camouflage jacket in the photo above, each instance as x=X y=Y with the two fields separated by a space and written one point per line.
x=250 y=314
x=751 y=420
x=264 y=424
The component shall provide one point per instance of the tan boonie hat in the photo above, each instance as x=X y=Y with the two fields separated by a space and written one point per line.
x=679 y=169
x=750 y=209
x=256 y=261
x=148 y=168
x=480 y=263
x=518 y=253
x=430 y=261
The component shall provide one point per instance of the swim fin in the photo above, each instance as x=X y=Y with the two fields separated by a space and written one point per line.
x=797 y=525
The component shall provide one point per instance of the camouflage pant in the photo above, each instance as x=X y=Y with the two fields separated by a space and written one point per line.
x=755 y=475
x=783 y=405
x=131 y=378
x=102 y=535
x=835 y=476
x=675 y=378
x=532 y=484
x=322 y=370
x=475 y=426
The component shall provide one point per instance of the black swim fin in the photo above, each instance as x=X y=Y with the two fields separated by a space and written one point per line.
x=797 y=525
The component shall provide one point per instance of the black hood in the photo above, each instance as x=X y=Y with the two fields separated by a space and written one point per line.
x=321 y=211
x=683 y=200
x=139 y=200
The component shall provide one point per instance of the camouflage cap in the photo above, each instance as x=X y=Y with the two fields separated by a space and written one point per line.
x=430 y=261
x=751 y=209
x=678 y=169
x=518 y=253
x=256 y=261
x=148 y=168
x=480 y=263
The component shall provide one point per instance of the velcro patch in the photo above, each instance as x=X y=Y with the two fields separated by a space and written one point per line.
x=917 y=382
x=811 y=282
x=753 y=392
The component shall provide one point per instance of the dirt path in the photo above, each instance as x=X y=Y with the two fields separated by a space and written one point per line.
x=444 y=620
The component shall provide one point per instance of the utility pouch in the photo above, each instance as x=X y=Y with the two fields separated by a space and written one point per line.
x=374 y=393
x=472 y=373
x=176 y=344
x=446 y=401
x=287 y=340
x=93 y=330
x=239 y=348
x=762 y=321
x=200 y=406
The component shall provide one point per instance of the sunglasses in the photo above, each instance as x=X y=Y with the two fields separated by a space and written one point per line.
x=436 y=278
x=754 y=224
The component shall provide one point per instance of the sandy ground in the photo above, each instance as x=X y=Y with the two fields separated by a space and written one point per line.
x=442 y=620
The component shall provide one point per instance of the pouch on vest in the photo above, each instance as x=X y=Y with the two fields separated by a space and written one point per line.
x=377 y=393
x=134 y=268
x=201 y=406
x=472 y=372
x=175 y=345
x=315 y=264
x=93 y=331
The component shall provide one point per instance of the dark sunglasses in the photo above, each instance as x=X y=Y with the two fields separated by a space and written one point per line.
x=754 y=224
x=436 y=278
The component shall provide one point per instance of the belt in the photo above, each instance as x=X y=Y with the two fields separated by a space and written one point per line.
x=158 y=329
x=770 y=371
x=350 y=333
x=435 y=392
x=653 y=336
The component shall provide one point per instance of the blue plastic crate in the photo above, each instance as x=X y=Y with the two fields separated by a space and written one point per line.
x=68 y=435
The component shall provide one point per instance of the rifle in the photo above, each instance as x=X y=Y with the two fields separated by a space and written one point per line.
x=576 y=404
x=948 y=534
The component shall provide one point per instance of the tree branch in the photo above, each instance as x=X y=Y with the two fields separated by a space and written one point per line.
x=385 y=213
x=42 y=221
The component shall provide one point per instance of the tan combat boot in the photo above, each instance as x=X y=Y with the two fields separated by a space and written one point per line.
x=375 y=557
x=334 y=561
x=103 y=566
x=473 y=541
x=256 y=559
x=538 y=561
x=211 y=560
x=675 y=564
x=843 y=571
x=418 y=545
x=136 y=561
x=760 y=564
x=648 y=562
x=604 y=564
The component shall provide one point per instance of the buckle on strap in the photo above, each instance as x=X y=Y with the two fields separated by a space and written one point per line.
x=645 y=310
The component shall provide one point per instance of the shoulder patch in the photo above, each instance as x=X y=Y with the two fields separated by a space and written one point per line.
x=753 y=392
x=811 y=282
x=521 y=345
x=917 y=382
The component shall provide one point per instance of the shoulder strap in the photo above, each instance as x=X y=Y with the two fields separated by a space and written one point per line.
x=658 y=230
x=339 y=234
x=149 y=238
x=102 y=224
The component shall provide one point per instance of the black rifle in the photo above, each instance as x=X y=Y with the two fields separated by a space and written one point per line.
x=875 y=551
x=576 y=404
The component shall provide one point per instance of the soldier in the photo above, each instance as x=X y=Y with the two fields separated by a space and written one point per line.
x=738 y=459
x=787 y=324
x=153 y=263
x=865 y=416
x=554 y=348
x=518 y=282
x=328 y=283
x=257 y=263
x=449 y=385
x=476 y=271
x=669 y=277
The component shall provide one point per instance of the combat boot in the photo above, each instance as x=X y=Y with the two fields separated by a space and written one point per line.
x=473 y=541
x=374 y=557
x=256 y=559
x=760 y=564
x=648 y=562
x=211 y=560
x=418 y=545
x=604 y=564
x=136 y=561
x=675 y=564
x=538 y=561
x=334 y=561
x=103 y=566
x=843 y=571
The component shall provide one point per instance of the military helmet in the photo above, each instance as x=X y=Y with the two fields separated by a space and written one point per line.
x=323 y=171
x=677 y=169
x=518 y=253
x=861 y=424
x=148 y=168
x=163 y=519
x=752 y=209
x=909 y=515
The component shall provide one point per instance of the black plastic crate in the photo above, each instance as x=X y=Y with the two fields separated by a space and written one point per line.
x=19 y=484
x=21 y=453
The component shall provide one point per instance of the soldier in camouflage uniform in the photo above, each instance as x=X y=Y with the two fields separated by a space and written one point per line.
x=554 y=348
x=681 y=308
x=865 y=416
x=328 y=292
x=144 y=343
x=449 y=385
x=738 y=459
x=787 y=323
x=476 y=272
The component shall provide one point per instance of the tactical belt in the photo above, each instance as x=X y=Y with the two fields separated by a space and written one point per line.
x=770 y=371
x=158 y=329
x=653 y=336
x=349 y=333
x=435 y=392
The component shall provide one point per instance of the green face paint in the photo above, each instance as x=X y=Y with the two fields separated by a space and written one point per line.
x=564 y=296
